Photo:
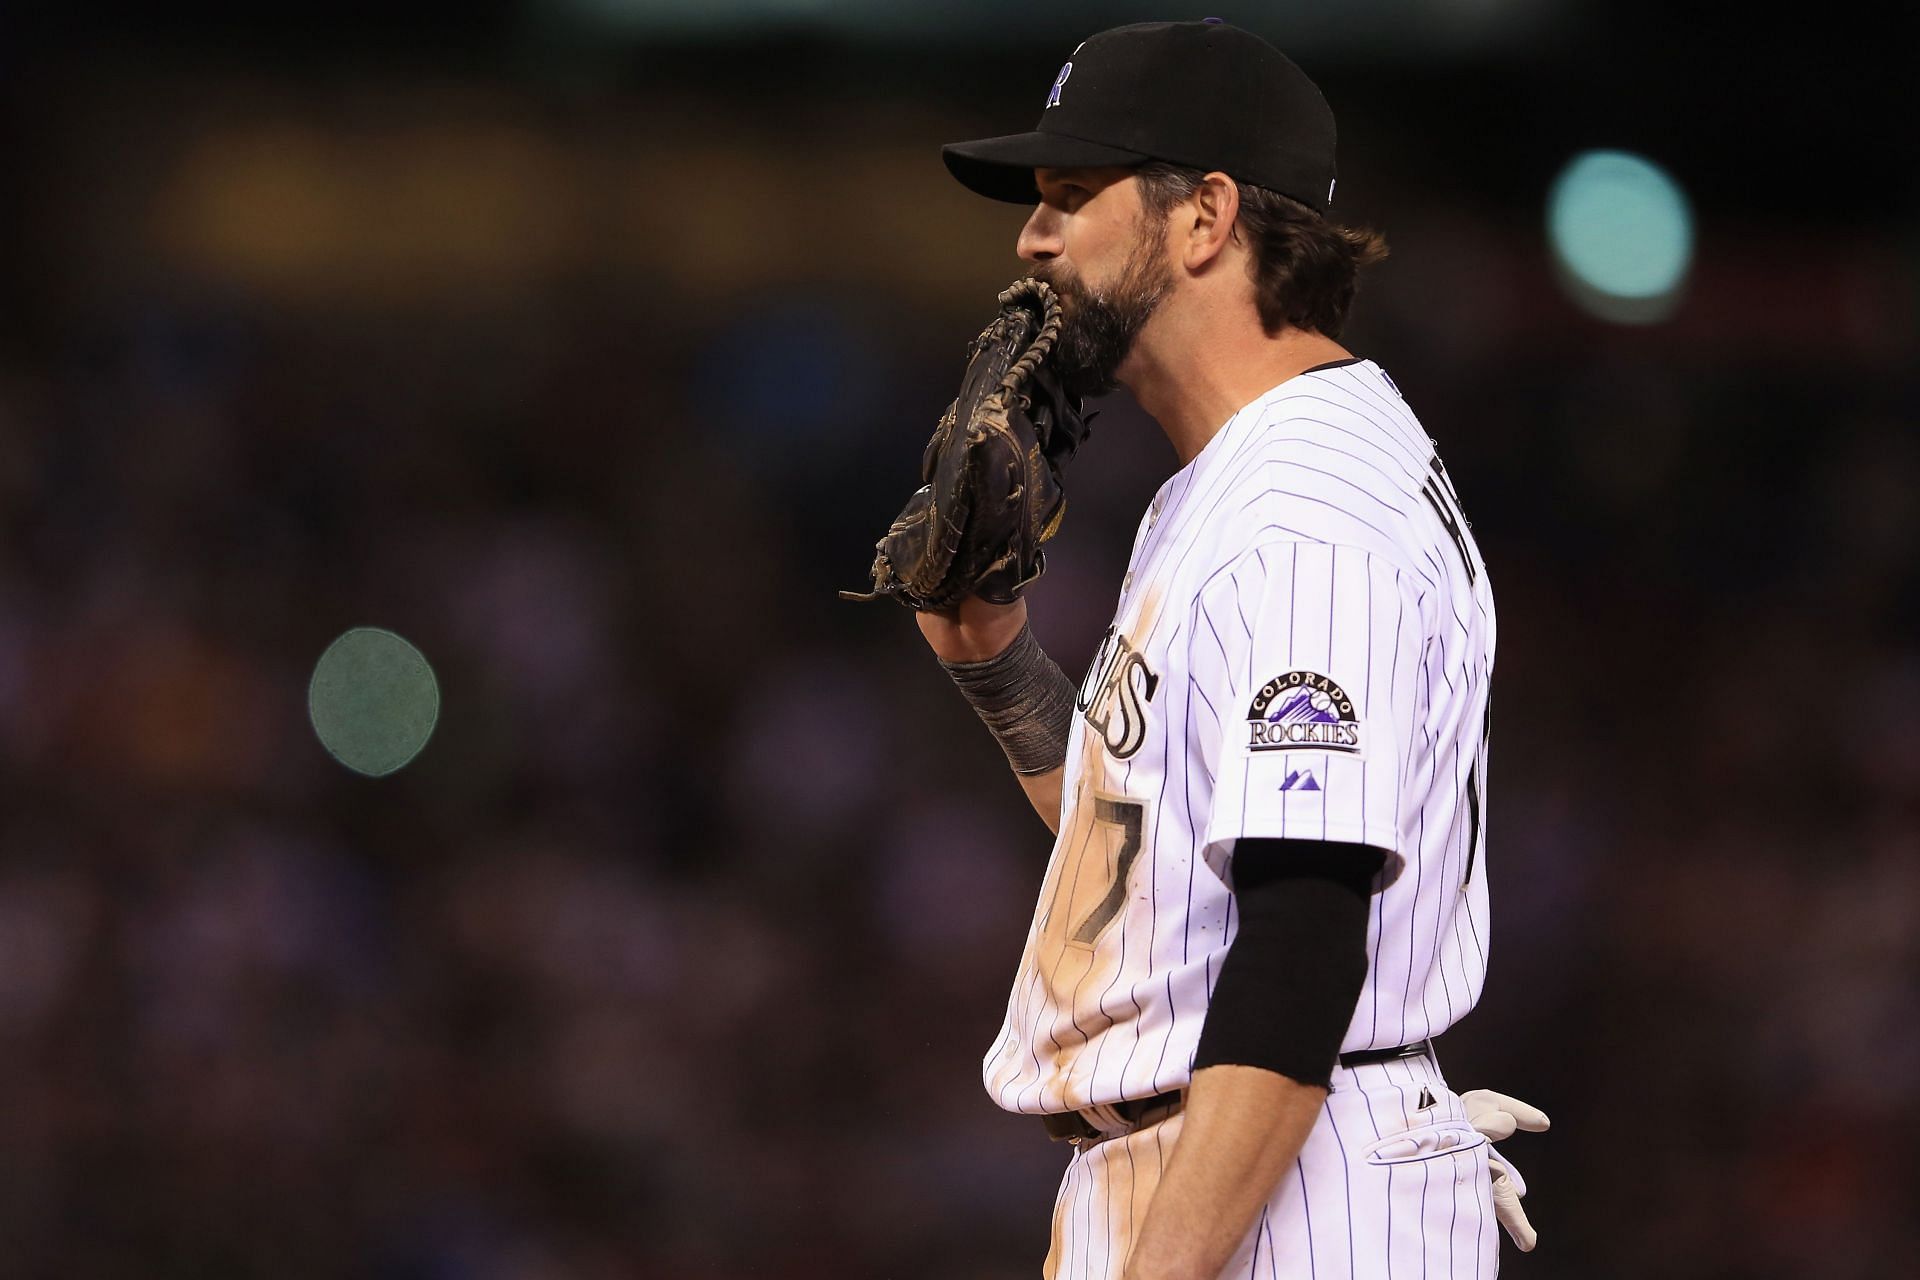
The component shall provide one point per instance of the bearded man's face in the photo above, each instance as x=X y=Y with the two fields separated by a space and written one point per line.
x=1100 y=324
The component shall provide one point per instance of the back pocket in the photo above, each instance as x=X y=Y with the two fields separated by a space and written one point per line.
x=1424 y=1142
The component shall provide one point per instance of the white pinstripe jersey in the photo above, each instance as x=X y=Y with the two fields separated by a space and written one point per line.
x=1302 y=650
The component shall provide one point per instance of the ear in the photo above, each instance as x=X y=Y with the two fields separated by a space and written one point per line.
x=1216 y=204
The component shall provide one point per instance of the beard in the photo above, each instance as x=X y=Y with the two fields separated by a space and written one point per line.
x=1099 y=326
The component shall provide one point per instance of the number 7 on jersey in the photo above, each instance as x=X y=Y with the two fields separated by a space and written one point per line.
x=1130 y=817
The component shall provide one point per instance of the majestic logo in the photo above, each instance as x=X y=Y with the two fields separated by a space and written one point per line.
x=1114 y=696
x=1060 y=82
x=1300 y=780
x=1302 y=711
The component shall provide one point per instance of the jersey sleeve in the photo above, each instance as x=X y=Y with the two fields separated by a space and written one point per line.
x=1310 y=655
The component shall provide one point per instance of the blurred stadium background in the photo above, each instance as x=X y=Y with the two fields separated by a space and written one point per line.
x=588 y=344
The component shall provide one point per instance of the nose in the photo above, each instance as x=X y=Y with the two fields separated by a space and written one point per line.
x=1040 y=238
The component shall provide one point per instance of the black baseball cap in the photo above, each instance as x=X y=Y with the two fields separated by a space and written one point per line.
x=1203 y=94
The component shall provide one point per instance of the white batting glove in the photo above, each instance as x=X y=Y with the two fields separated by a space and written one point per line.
x=1497 y=1116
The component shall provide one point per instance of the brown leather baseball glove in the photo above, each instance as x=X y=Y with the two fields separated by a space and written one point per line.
x=991 y=490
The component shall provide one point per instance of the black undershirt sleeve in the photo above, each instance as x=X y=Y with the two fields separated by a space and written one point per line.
x=1288 y=986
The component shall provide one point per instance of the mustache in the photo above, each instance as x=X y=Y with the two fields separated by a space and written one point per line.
x=1061 y=279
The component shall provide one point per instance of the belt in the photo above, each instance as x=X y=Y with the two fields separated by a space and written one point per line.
x=1074 y=1127
x=1361 y=1057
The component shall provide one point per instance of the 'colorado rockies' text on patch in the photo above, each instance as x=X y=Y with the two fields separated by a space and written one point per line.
x=1302 y=711
x=1114 y=695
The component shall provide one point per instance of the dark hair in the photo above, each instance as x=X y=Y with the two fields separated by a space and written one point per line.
x=1304 y=268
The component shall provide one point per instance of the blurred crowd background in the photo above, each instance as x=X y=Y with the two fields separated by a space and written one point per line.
x=589 y=345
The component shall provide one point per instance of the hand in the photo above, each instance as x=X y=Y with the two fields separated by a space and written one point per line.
x=973 y=630
x=1497 y=1116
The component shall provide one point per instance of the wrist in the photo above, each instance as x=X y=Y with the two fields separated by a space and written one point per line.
x=974 y=630
x=1024 y=700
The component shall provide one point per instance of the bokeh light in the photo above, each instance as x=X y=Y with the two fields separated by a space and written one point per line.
x=1622 y=236
x=373 y=701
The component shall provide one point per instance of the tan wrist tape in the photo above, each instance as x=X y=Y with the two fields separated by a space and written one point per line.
x=1024 y=700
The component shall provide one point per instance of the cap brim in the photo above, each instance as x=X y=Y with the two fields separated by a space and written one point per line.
x=1002 y=168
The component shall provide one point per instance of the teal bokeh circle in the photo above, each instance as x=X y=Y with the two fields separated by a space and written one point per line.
x=373 y=701
x=1621 y=231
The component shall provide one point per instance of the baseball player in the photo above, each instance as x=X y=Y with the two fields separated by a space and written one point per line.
x=1268 y=892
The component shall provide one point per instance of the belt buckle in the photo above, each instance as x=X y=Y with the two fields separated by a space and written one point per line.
x=1070 y=1127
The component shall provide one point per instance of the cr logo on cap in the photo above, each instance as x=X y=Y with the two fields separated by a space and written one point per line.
x=1053 y=96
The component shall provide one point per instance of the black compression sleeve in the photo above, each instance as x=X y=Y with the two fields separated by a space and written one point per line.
x=1287 y=989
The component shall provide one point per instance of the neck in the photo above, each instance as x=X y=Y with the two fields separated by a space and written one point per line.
x=1193 y=377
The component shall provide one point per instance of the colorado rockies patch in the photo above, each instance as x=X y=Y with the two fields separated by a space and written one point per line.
x=1302 y=711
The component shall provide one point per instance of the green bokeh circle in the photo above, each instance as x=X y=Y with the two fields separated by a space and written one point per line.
x=373 y=701
x=1622 y=234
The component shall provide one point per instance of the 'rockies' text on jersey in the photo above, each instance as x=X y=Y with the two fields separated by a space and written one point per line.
x=1302 y=650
